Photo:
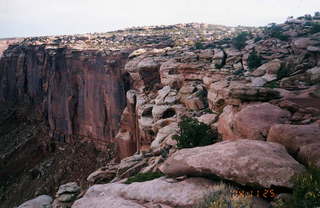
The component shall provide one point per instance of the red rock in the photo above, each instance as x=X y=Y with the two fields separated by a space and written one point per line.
x=254 y=121
x=4 y=43
x=243 y=161
x=294 y=136
x=251 y=122
x=81 y=93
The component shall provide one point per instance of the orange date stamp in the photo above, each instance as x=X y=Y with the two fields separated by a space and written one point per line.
x=263 y=193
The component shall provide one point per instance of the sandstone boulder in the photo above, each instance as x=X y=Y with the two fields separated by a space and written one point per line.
x=294 y=136
x=243 y=161
x=137 y=52
x=160 y=192
x=254 y=121
x=163 y=133
x=300 y=140
x=226 y=123
x=66 y=195
x=254 y=94
x=303 y=43
x=218 y=58
x=105 y=173
x=269 y=70
x=42 y=201
x=208 y=118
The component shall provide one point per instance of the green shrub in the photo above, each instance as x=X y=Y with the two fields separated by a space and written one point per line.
x=308 y=17
x=275 y=31
x=225 y=197
x=306 y=190
x=141 y=177
x=193 y=133
x=239 y=41
x=254 y=60
x=257 y=39
x=199 y=45
x=283 y=72
x=315 y=28
x=272 y=84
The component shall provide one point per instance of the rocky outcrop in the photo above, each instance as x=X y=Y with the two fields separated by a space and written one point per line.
x=251 y=122
x=81 y=93
x=133 y=87
x=300 y=140
x=160 y=192
x=66 y=195
x=5 y=43
x=38 y=202
x=243 y=161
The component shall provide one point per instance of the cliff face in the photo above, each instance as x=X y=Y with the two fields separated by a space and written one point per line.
x=4 y=43
x=80 y=93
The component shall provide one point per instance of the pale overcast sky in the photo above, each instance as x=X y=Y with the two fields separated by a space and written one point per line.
x=49 y=17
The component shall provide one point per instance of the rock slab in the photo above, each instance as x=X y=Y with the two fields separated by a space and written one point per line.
x=244 y=161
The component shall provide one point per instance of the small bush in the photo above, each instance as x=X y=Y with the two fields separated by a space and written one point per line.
x=141 y=177
x=199 y=45
x=308 y=17
x=306 y=190
x=254 y=60
x=239 y=41
x=283 y=72
x=315 y=28
x=257 y=39
x=275 y=31
x=272 y=84
x=225 y=197
x=193 y=133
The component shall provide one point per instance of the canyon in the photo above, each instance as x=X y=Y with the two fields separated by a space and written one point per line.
x=101 y=107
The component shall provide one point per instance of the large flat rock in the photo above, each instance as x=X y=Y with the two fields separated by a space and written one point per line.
x=244 y=161
x=161 y=192
x=42 y=201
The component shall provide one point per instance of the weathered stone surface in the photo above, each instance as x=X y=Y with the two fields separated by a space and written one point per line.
x=163 y=133
x=144 y=72
x=254 y=121
x=137 y=52
x=208 y=118
x=243 y=161
x=146 y=194
x=219 y=94
x=71 y=187
x=218 y=58
x=294 y=136
x=79 y=92
x=226 y=123
x=42 y=201
x=309 y=154
x=105 y=173
x=254 y=94
x=303 y=43
x=300 y=140
x=173 y=73
x=4 y=43
x=258 y=82
x=269 y=70
x=311 y=76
